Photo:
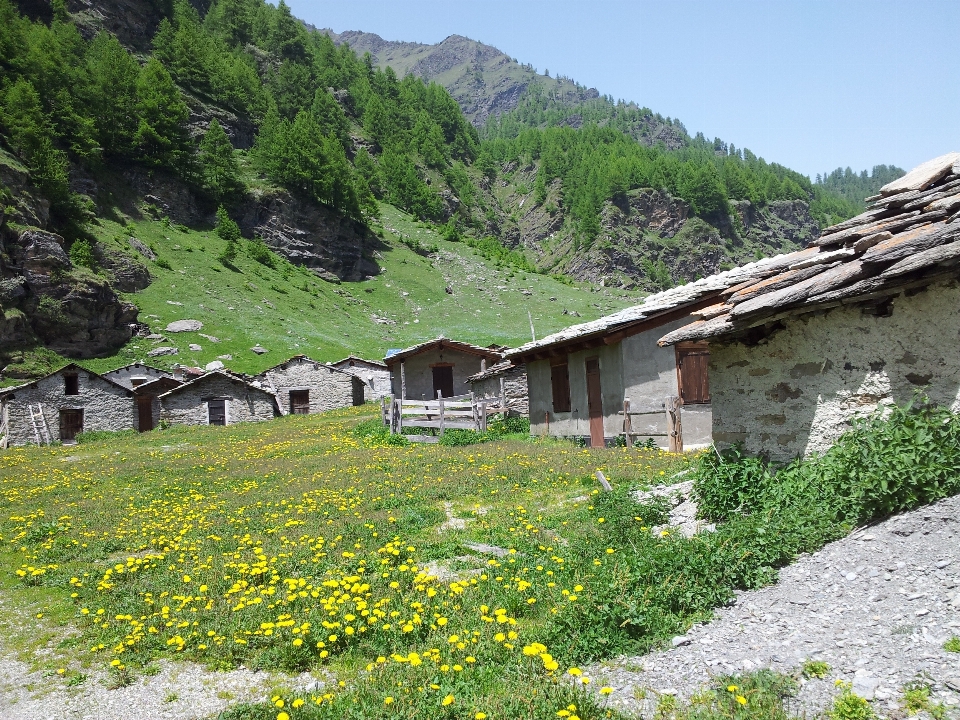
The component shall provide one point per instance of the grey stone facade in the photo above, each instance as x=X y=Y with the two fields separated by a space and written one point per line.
x=135 y=374
x=328 y=387
x=487 y=385
x=104 y=405
x=188 y=404
x=797 y=391
x=374 y=375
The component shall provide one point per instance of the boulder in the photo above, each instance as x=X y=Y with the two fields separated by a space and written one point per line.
x=178 y=326
x=215 y=365
x=259 y=350
x=163 y=350
x=195 y=348
x=142 y=249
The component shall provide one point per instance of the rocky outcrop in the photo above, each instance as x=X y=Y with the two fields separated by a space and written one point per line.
x=43 y=297
x=306 y=233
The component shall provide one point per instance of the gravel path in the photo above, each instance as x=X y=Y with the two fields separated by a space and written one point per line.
x=180 y=691
x=877 y=606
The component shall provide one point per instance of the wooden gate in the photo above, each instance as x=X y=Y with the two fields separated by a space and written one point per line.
x=71 y=425
x=595 y=402
x=145 y=413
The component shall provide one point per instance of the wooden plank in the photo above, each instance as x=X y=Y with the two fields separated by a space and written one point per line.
x=674 y=424
x=440 y=399
x=448 y=424
x=403 y=382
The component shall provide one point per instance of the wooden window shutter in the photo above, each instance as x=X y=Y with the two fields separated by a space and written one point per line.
x=693 y=373
x=560 y=382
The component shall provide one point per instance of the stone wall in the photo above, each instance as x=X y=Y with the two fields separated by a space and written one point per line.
x=375 y=378
x=187 y=405
x=105 y=406
x=329 y=388
x=796 y=392
x=514 y=385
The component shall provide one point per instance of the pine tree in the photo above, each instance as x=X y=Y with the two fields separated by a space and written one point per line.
x=161 y=136
x=111 y=96
x=218 y=166
x=229 y=231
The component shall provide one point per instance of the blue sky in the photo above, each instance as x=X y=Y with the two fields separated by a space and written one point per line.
x=812 y=84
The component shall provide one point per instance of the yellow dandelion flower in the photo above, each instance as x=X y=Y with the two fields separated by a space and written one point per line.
x=448 y=700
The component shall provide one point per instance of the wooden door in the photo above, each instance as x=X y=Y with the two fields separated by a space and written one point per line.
x=145 y=413
x=443 y=380
x=71 y=425
x=217 y=412
x=299 y=402
x=595 y=402
x=693 y=369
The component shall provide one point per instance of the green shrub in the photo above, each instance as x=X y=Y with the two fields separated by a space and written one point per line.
x=952 y=645
x=849 y=706
x=373 y=433
x=81 y=254
x=161 y=262
x=98 y=435
x=459 y=438
x=259 y=251
x=815 y=669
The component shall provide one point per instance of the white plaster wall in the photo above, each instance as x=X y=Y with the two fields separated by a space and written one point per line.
x=329 y=388
x=796 y=392
x=105 y=406
x=514 y=385
x=245 y=404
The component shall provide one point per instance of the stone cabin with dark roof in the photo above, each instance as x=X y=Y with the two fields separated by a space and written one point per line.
x=217 y=398
x=63 y=404
x=442 y=365
x=304 y=386
x=865 y=317
x=503 y=383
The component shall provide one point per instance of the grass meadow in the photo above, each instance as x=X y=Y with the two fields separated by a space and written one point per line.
x=425 y=581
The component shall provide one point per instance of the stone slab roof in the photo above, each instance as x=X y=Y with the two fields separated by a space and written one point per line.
x=501 y=368
x=660 y=304
x=354 y=358
x=444 y=343
x=68 y=366
x=205 y=378
x=908 y=238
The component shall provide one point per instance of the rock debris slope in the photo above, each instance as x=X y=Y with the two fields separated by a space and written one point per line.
x=877 y=606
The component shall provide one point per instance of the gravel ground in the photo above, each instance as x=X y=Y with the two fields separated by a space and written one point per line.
x=180 y=691
x=877 y=606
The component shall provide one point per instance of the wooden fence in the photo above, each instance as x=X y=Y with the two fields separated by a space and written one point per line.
x=674 y=434
x=460 y=412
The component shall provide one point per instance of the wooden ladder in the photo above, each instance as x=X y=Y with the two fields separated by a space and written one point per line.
x=39 y=423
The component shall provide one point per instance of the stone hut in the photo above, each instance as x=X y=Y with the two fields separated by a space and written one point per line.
x=63 y=404
x=865 y=316
x=304 y=386
x=135 y=374
x=579 y=378
x=442 y=365
x=374 y=374
x=501 y=383
x=217 y=398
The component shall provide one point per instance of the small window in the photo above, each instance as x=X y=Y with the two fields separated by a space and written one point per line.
x=71 y=384
x=299 y=402
x=217 y=412
x=693 y=374
x=560 y=382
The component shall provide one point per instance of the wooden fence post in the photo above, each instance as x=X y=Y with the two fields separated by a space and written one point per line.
x=627 y=423
x=503 y=397
x=383 y=413
x=398 y=409
x=403 y=382
x=440 y=399
x=483 y=416
x=674 y=424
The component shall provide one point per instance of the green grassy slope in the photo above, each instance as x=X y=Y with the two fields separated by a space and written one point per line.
x=288 y=310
